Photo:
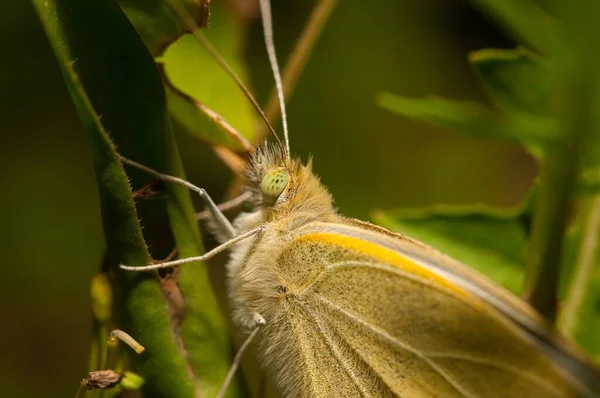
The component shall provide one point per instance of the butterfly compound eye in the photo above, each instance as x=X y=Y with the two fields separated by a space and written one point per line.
x=273 y=184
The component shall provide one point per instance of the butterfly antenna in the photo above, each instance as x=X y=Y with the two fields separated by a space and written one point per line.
x=193 y=27
x=267 y=20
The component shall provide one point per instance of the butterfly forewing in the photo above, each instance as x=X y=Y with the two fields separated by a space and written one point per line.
x=351 y=317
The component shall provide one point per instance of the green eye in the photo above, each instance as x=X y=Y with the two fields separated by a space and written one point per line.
x=273 y=184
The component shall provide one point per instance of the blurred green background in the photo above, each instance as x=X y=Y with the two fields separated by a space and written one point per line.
x=52 y=243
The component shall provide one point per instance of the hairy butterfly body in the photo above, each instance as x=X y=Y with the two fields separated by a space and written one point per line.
x=352 y=309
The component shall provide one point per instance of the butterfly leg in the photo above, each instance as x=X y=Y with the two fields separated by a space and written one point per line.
x=225 y=228
x=228 y=205
x=206 y=256
x=259 y=321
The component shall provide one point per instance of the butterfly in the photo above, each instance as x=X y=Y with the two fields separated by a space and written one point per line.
x=345 y=308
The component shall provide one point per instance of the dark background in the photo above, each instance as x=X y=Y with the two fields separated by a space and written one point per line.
x=51 y=240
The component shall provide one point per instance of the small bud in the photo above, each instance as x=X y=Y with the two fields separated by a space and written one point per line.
x=132 y=381
x=102 y=297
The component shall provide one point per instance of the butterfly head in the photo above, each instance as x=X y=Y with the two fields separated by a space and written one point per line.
x=283 y=185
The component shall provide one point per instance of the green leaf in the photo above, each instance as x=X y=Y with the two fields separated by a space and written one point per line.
x=518 y=82
x=473 y=118
x=490 y=241
x=203 y=123
x=158 y=24
x=523 y=18
x=109 y=72
x=580 y=312
x=189 y=68
x=515 y=80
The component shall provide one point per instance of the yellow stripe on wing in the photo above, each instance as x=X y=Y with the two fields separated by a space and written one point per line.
x=383 y=255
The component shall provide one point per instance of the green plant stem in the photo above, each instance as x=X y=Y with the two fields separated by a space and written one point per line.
x=576 y=88
x=549 y=224
x=99 y=347
x=94 y=356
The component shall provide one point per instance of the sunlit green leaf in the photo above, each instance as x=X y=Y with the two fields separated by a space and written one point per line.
x=190 y=69
x=158 y=23
x=203 y=123
x=492 y=242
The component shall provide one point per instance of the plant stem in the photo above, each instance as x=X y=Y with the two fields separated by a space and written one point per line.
x=549 y=223
x=575 y=73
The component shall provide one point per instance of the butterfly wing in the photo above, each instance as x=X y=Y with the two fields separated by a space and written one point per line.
x=365 y=319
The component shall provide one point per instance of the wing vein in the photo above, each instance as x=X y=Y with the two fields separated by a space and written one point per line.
x=398 y=344
x=334 y=350
x=342 y=265
x=332 y=268
x=429 y=357
x=367 y=363
x=498 y=366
